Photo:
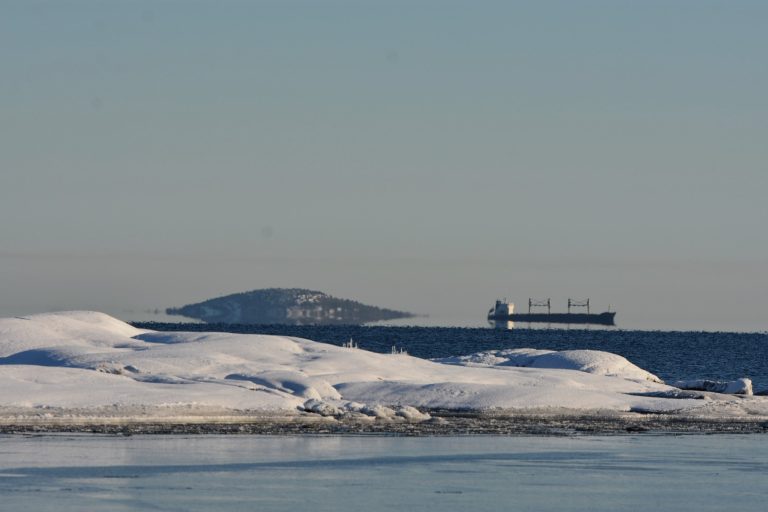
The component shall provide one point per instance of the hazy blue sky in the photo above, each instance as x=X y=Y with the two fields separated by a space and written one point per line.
x=420 y=155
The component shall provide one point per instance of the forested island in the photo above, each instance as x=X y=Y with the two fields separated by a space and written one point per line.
x=294 y=306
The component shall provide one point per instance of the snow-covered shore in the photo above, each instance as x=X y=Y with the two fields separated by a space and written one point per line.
x=80 y=364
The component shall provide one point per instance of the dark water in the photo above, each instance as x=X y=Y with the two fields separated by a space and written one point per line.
x=670 y=355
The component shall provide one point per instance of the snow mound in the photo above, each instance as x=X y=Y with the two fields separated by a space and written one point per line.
x=293 y=382
x=589 y=361
x=88 y=361
x=741 y=386
x=71 y=329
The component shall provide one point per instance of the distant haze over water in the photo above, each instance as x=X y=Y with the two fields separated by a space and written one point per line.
x=672 y=296
x=425 y=156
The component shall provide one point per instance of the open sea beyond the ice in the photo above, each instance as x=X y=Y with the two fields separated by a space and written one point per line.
x=672 y=355
x=65 y=473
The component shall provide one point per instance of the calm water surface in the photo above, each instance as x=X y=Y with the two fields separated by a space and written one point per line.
x=696 y=473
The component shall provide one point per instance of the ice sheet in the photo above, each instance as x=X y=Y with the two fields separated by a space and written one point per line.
x=201 y=473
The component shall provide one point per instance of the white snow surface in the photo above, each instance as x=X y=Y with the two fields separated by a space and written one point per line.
x=741 y=386
x=81 y=360
x=590 y=361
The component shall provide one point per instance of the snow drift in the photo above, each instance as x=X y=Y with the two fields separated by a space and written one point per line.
x=81 y=360
x=590 y=361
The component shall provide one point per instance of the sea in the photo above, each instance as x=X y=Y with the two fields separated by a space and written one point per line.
x=671 y=355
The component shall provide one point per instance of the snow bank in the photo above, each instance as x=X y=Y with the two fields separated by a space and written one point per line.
x=741 y=386
x=590 y=361
x=82 y=360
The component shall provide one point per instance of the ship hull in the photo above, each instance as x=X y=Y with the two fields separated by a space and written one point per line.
x=558 y=318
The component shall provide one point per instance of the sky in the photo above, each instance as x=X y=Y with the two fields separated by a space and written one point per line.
x=430 y=156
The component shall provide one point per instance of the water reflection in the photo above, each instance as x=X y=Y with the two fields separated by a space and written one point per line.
x=508 y=325
x=372 y=473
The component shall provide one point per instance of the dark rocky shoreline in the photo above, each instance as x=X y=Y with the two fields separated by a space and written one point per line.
x=442 y=424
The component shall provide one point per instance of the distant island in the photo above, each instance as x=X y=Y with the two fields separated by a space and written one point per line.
x=294 y=306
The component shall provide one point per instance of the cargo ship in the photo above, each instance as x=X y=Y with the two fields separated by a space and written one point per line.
x=504 y=311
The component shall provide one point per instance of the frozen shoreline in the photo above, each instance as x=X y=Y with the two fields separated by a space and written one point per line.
x=441 y=423
x=86 y=371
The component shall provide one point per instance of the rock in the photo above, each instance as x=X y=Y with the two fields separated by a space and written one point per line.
x=321 y=408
